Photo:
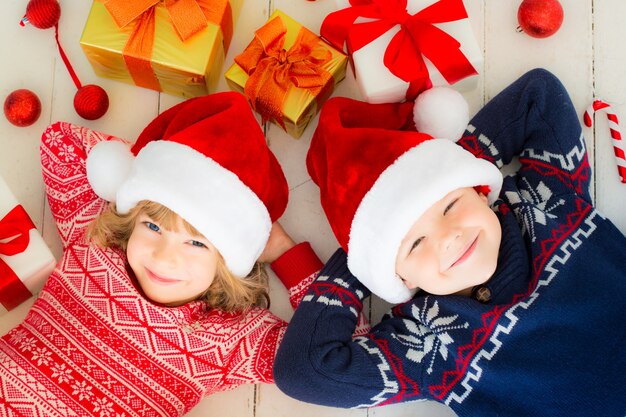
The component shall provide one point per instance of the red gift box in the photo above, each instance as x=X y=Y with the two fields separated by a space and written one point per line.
x=25 y=259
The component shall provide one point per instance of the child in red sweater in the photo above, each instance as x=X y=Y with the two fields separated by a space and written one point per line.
x=158 y=299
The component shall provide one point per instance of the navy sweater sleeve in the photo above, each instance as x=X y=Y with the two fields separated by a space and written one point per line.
x=320 y=362
x=535 y=120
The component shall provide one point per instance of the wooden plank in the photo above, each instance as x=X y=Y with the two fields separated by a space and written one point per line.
x=29 y=66
x=417 y=408
x=238 y=402
x=271 y=402
x=567 y=53
x=610 y=85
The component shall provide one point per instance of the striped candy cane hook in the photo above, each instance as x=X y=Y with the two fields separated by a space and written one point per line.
x=618 y=144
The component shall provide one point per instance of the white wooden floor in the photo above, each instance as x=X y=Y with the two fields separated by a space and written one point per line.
x=587 y=53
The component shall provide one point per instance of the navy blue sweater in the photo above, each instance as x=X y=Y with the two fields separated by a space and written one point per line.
x=552 y=339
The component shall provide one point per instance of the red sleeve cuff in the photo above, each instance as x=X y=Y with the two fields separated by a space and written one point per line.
x=296 y=264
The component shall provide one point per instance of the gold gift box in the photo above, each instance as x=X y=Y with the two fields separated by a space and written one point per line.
x=300 y=106
x=187 y=69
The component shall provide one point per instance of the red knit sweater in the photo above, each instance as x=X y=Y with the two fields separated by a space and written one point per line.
x=93 y=345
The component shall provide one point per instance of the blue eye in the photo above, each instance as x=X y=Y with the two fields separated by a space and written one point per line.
x=198 y=244
x=152 y=226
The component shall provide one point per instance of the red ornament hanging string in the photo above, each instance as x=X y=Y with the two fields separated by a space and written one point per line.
x=91 y=101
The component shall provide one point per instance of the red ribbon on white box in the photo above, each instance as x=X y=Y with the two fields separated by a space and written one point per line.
x=417 y=38
x=15 y=227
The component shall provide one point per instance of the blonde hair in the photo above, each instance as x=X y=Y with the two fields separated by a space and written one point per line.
x=227 y=292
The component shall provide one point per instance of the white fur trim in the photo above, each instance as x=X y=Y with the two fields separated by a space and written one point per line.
x=441 y=112
x=413 y=183
x=210 y=197
x=108 y=165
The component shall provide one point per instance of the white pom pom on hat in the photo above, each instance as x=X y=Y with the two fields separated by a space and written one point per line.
x=108 y=167
x=442 y=113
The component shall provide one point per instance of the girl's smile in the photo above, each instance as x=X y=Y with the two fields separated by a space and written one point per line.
x=172 y=266
x=161 y=280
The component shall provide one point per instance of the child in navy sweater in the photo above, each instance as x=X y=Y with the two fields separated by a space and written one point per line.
x=520 y=310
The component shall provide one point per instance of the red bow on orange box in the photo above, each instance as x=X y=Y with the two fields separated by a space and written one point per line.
x=418 y=37
x=14 y=232
x=273 y=70
x=188 y=17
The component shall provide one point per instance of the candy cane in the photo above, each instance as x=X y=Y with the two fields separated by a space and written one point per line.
x=618 y=144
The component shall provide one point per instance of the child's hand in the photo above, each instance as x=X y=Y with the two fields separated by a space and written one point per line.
x=278 y=243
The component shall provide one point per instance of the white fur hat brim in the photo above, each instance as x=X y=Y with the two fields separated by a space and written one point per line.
x=402 y=193
x=209 y=197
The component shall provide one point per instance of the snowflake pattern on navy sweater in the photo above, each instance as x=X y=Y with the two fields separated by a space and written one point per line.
x=428 y=335
x=547 y=294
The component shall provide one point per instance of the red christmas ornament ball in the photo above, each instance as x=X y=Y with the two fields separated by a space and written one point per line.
x=540 y=18
x=91 y=102
x=43 y=14
x=22 y=107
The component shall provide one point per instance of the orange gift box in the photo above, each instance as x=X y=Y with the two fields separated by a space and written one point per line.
x=287 y=72
x=174 y=46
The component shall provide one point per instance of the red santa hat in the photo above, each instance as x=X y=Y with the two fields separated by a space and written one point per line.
x=206 y=159
x=377 y=174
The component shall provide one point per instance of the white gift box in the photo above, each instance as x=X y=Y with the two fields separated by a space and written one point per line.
x=376 y=82
x=35 y=263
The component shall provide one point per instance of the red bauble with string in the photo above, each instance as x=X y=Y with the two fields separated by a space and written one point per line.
x=91 y=101
x=43 y=14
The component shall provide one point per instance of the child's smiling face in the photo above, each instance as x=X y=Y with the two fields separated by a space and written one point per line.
x=172 y=266
x=452 y=247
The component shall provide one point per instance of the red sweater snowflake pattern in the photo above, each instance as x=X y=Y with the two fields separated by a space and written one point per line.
x=93 y=345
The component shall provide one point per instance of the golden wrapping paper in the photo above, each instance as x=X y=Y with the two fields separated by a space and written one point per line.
x=299 y=105
x=187 y=68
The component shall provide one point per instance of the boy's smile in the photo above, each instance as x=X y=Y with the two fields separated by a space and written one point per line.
x=452 y=247
x=466 y=252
